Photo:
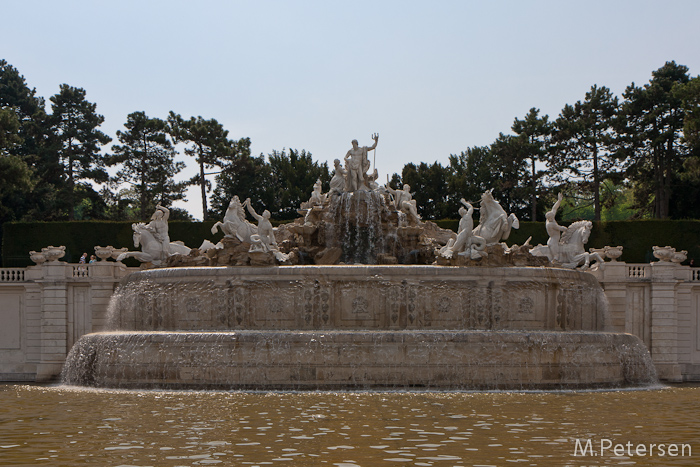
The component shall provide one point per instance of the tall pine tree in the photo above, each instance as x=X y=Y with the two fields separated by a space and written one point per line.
x=208 y=143
x=75 y=123
x=652 y=123
x=585 y=142
x=534 y=133
x=147 y=164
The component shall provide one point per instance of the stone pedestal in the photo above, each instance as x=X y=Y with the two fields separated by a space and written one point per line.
x=664 y=321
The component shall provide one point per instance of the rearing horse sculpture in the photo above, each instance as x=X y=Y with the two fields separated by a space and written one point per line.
x=570 y=252
x=151 y=249
x=235 y=224
x=494 y=223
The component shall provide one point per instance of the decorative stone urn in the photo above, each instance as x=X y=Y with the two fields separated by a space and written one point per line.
x=104 y=252
x=679 y=256
x=664 y=253
x=37 y=257
x=613 y=252
x=54 y=253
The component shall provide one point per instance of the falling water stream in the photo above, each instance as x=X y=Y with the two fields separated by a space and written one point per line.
x=356 y=222
x=69 y=426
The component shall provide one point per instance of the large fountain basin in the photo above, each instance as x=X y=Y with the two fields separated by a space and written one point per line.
x=359 y=359
x=359 y=297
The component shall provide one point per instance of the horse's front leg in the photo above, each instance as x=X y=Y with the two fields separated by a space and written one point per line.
x=586 y=262
x=138 y=255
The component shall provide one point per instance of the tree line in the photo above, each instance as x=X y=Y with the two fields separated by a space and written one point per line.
x=642 y=151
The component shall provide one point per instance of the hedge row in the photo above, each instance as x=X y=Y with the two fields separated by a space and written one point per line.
x=637 y=237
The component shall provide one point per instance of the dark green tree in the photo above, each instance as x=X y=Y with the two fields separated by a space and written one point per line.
x=585 y=143
x=686 y=186
x=534 y=134
x=9 y=131
x=429 y=187
x=15 y=174
x=292 y=176
x=689 y=94
x=30 y=146
x=395 y=182
x=147 y=165
x=243 y=176
x=208 y=143
x=75 y=123
x=509 y=163
x=499 y=167
x=652 y=123
x=470 y=173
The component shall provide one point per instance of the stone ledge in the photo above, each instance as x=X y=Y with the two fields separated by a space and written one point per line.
x=346 y=359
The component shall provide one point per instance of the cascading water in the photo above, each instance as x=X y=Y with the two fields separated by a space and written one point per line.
x=355 y=224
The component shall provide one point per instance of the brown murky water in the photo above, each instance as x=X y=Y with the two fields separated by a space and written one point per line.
x=60 y=426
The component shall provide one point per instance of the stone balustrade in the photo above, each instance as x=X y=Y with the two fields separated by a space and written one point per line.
x=11 y=274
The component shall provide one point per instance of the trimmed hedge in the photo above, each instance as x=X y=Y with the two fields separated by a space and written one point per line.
x=637 y=237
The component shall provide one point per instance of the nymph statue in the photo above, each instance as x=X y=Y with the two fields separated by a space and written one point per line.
x=338 y=180
x=404 y=202
x=317 y=196
x=266 y=234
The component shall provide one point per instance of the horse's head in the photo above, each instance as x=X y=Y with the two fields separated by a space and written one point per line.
x=577 y=233
x=137 y=228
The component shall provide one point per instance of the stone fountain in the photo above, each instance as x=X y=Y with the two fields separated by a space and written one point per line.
x=359 y=292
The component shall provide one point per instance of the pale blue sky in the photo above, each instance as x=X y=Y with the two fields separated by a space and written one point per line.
x=432 y=78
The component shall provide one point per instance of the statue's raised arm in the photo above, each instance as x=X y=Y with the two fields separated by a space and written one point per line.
x=375 y=137
x=252 y=212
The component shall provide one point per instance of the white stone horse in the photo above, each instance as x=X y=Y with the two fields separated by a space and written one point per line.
x=235 y=224
x=151 y=249
x=494 y=223
x=571 y=250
